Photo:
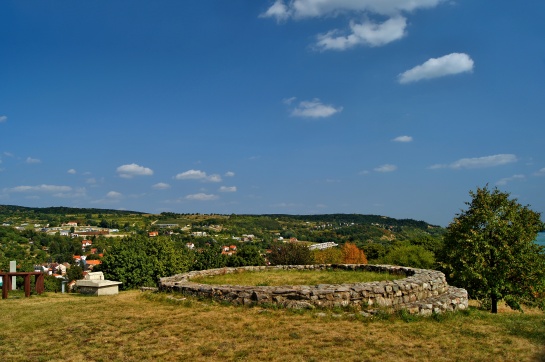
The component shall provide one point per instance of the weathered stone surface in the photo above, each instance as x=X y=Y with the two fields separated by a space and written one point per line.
x=422 y=291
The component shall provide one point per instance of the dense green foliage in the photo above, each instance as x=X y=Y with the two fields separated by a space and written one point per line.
x=291 y=254
x=407 y=254
x=252 y=235
x=490 y=251
x=140 y=261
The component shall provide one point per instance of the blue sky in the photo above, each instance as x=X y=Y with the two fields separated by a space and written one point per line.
x=383 y=107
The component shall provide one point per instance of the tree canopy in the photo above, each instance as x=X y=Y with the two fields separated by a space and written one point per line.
x=490 y=250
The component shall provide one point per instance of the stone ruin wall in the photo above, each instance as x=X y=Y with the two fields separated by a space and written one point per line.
x=421 y=292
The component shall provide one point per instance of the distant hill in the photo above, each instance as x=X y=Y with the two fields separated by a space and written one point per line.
x=358 y=219
x=61 y=210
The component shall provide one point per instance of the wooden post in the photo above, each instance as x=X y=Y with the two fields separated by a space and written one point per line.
x=39 y=283
x=27 y=285
x=6 y=286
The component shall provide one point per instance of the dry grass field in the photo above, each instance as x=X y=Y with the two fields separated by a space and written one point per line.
x=296 y=277
x=146 y=326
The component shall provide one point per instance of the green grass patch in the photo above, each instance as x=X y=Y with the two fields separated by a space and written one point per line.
x=295 y=277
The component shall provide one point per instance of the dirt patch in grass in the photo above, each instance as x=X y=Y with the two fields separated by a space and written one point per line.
x=295 y=277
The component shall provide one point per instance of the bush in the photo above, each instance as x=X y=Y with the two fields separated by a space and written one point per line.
x=140 y=261
x=291 y=254
x=414 y=256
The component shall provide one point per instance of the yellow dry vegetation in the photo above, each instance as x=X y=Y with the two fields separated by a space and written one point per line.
x=144 y=326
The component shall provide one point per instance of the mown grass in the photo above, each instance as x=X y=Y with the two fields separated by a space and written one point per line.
x=136 y=326
x=296 y=277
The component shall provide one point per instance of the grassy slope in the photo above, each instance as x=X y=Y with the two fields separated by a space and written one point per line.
x=134 y=326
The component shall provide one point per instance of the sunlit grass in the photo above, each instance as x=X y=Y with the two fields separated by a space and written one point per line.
x=135 y=326
x=295 y=277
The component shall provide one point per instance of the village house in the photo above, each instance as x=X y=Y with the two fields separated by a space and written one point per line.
x=85 y=244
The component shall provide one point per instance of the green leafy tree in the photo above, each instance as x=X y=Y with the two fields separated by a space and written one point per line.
x=52 y=284
x=406 y=254
x=209 y=257
x=490 y=251
x=291 y=254
x=140 y=261
x=246 y=255
x=75 y=272
x=328 y=256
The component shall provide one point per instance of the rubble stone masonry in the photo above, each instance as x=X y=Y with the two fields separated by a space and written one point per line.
x=421 y=291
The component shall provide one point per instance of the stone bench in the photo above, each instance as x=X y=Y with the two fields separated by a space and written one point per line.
x=94 y=284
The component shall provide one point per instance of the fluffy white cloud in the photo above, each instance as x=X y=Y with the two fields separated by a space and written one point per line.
x=506 y=180
x=316 y=8
x=129 y=171
x=315 y=109
x=454 y=63
x=198 y=175
x=39 y=188
x=191 y=175
x=228 y=189
x=386 y=168
x=277 y=10
x=403 y=139
x=229 y=174
x=114 y=195
x=366 y=33
x=161 y=186
x=479 y=162
x=77 y=193
x=32 y=160
x=541 y=172
x=3 y=119
x=201 y=197
x=72 y=171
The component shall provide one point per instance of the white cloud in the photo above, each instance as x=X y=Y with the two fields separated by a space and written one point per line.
x=214 y=178
x=479 y=162
x=114 y=195
x=278 y=10
x=229 y=174
x=386 y=168
x=228 y=189
x=454 y=63
x=403 y=139
x=32 y=160
x=201 y=197
x=289 y=101
x=298 y=9
x=161 y=186
x=198 y=175
x=131 y=170
x=541 y=172
x=80 y=192
x=366 y=33
x=191 y=175
x=39 y=188
x=3 y=119
x=506 y=180
x=72 y=171
x=315 y=109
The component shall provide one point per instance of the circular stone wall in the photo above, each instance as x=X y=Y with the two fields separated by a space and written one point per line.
x=421 y=292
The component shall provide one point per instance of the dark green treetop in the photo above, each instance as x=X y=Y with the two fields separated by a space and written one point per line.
x=490 y=251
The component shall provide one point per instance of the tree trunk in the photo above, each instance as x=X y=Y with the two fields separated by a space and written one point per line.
x=494 y=303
